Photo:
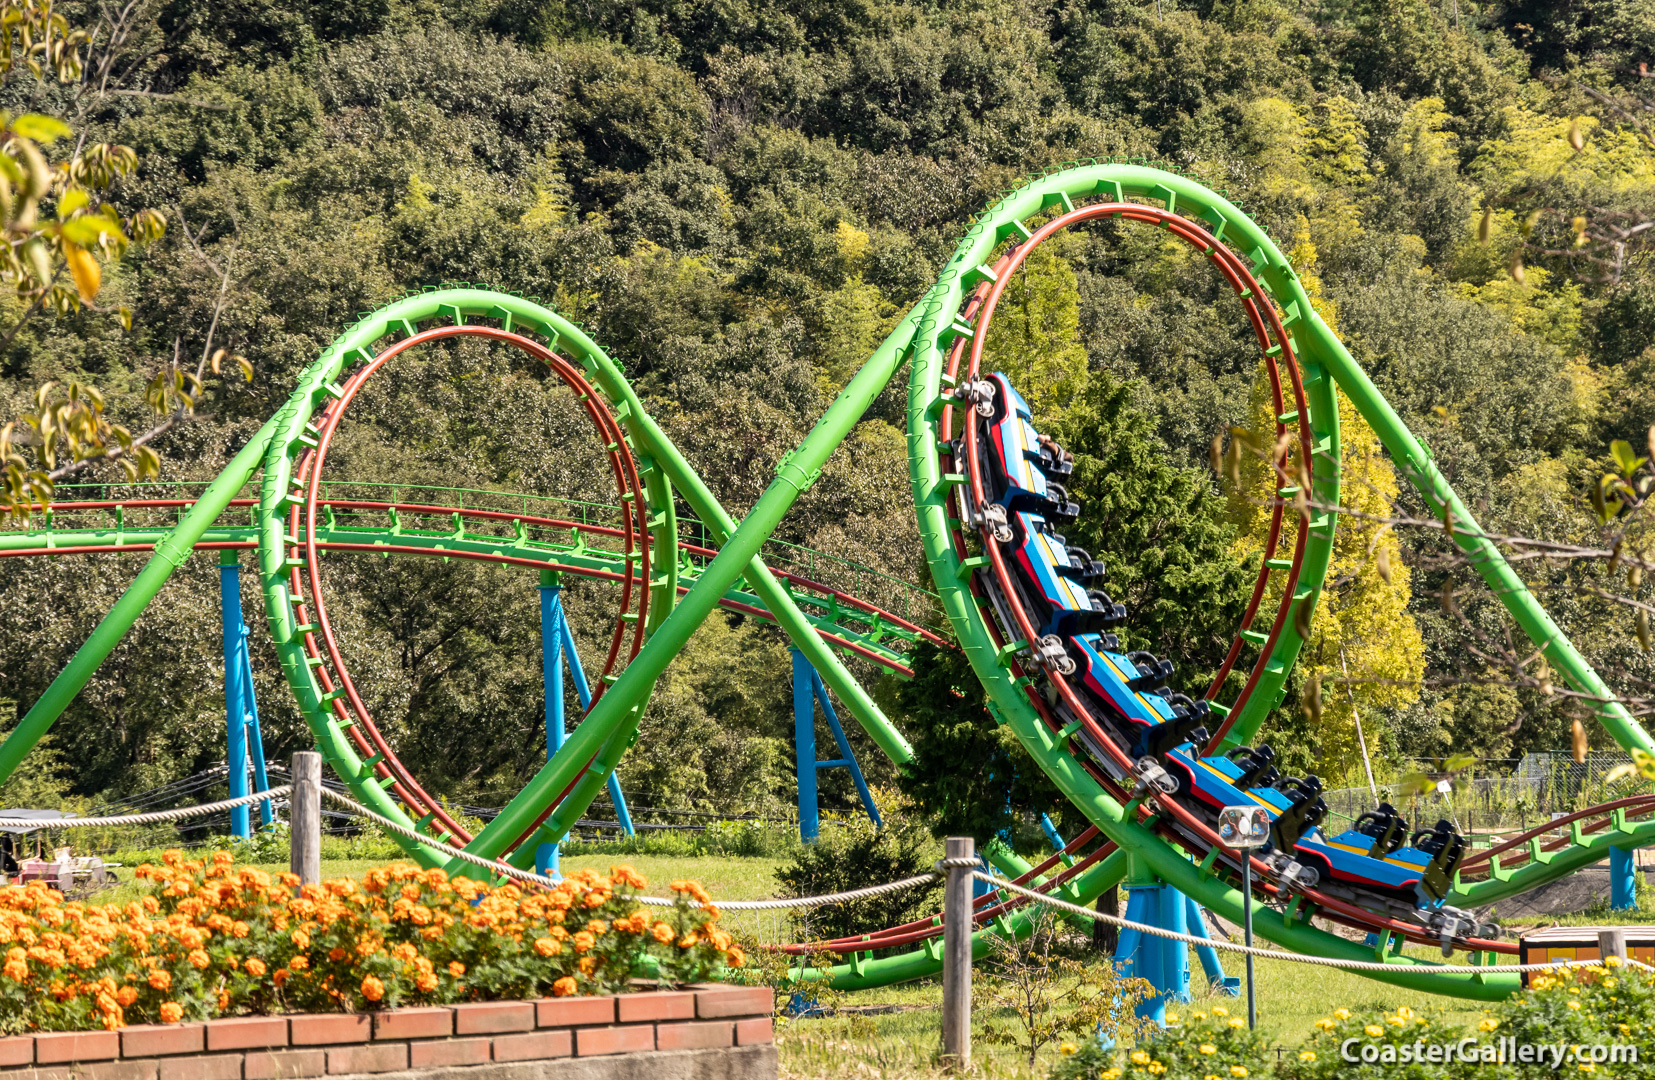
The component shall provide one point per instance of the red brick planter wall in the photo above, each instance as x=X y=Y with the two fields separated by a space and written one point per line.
x=703 y=1018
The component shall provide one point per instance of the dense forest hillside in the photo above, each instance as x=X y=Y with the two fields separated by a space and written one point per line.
x=738 y=200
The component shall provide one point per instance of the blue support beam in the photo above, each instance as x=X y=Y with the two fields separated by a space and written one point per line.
x=241 y=709
x=1162 y=961
x=557 y=648
x=808 y=692
x=1623 y=879
x=1211 y=966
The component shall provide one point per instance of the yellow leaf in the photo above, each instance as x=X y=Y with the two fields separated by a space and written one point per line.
x=1577 y=732
x=42 y=129
x=85 y=270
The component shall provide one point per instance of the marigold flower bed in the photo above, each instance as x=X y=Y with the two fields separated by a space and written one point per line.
x=213 y=939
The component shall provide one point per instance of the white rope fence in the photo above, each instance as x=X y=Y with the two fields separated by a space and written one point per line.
x=155 y=817
x=507 y=870
x=1278 y=954
x=803 y=902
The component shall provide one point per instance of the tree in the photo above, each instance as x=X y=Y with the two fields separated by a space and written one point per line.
x=946 y=721
x=1159 y=529
x=1033 y=336
x=1364 y=651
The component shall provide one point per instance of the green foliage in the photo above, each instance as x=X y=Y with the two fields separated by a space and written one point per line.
x=738 y=199
x=1159 y=529
x=852 y=855
x=942 y=711
x=1030 y=993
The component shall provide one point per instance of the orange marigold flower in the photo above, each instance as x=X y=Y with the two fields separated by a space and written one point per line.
x=223 y=1000
x=171 y=1012
x=337 y=954
x=151 y=904
x=301 y=940
x=455 y=968
x=199 y=958
x=547 y=946
x=597 y=926
x=664 y=932
x=404 y=952
x=298 y=963
x=426 y=983
x=596 y=899
x=689 y=940
x=255 y=967
x=280 y=976
x=564 y=987
x=372 y=988
x=735 y=957
x=584 y=940
x=587 y=963
x=125 y=996
x=160 y=979
x=172 y=856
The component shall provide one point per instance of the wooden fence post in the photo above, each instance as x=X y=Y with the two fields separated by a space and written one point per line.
x=305 y=844
x=956 y=956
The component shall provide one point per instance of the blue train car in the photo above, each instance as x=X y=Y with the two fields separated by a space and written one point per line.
x=1054 y=577
x=1021 y=460
x=1150 y=723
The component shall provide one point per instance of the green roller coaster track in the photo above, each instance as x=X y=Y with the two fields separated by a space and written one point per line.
x=683 y=591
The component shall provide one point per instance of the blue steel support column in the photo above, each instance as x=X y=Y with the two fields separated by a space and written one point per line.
x=1623 y=879
x=1162 y=962
x=551 y=676
x=255 y=739
x=557 y=646
x=808 y=691
x=804 y=746
x=235 y=688
x=1228 y=985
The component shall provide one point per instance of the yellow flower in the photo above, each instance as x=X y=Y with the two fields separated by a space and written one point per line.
x=1587 y=1066
x=1307 y=1055
x=1395 y=1021
x=1341 y=1014
x=1238 y=1071
x=1325 y=1024
x=1237 y=1022
x=1574 y=1004
x=1611 y=961
x=1219 y=1010
x=1405 y=1012
x=1067 y=1049
x=1156 y=1068
x=1374 y=1031
x=1172 y=1018
x=1109 y=1074
x=1488 y=1025
x=1611 y=982
x=1139 y=1057
x=1207 y=1048
x=1198 y=1015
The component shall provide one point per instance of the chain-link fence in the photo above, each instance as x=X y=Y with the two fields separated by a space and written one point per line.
x=1512 y=794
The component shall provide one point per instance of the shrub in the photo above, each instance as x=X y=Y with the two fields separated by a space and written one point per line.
x=1197 y=1045
x=857 y=855
x=212 y=940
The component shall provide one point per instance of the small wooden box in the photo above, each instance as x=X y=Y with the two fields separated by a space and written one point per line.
x=1581 y=943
